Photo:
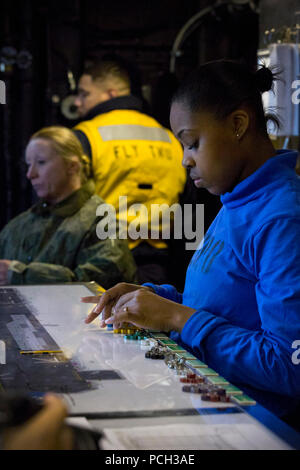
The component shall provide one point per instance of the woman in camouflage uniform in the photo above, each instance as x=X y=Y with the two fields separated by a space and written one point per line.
x=55 y=241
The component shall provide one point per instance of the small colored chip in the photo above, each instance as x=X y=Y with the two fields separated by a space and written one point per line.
x=158 y=356
x=210 y=397
x=191 y=376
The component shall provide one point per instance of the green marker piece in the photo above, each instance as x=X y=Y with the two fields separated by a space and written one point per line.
x=217 y=380
x=244 y=400
x=176 y=349
x=208 y=372
x=188 y=356
x=232 y=390
x=168 y=342
x=159 y=336
x=196 y=364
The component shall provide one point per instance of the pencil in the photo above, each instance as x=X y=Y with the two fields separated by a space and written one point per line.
x=40 y=352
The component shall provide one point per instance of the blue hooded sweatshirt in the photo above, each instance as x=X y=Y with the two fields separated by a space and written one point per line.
x=244 y=282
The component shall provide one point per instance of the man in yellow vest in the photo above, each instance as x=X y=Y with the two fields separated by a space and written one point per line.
x=132 y=157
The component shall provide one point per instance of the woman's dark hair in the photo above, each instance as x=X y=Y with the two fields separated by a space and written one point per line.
x=222 y=86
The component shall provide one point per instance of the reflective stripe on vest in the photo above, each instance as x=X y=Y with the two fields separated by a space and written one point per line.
x=133 y=132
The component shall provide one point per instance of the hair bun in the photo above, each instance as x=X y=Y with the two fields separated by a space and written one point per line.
x=263 y=79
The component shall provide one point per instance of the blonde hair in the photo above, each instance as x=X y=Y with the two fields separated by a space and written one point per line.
x=65 y=144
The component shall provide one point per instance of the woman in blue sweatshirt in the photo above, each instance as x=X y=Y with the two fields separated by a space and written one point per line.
x=240 y=309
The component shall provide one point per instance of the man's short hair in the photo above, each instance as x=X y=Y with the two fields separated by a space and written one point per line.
x=107 y=69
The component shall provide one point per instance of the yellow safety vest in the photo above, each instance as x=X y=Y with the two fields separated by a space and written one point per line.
x=134 y=156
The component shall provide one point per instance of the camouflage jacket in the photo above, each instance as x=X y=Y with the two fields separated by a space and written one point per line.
x=59 y=244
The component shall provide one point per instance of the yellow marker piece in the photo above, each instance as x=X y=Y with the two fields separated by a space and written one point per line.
x=101 y=289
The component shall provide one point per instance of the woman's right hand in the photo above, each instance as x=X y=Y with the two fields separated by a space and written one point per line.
x=106 y=301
